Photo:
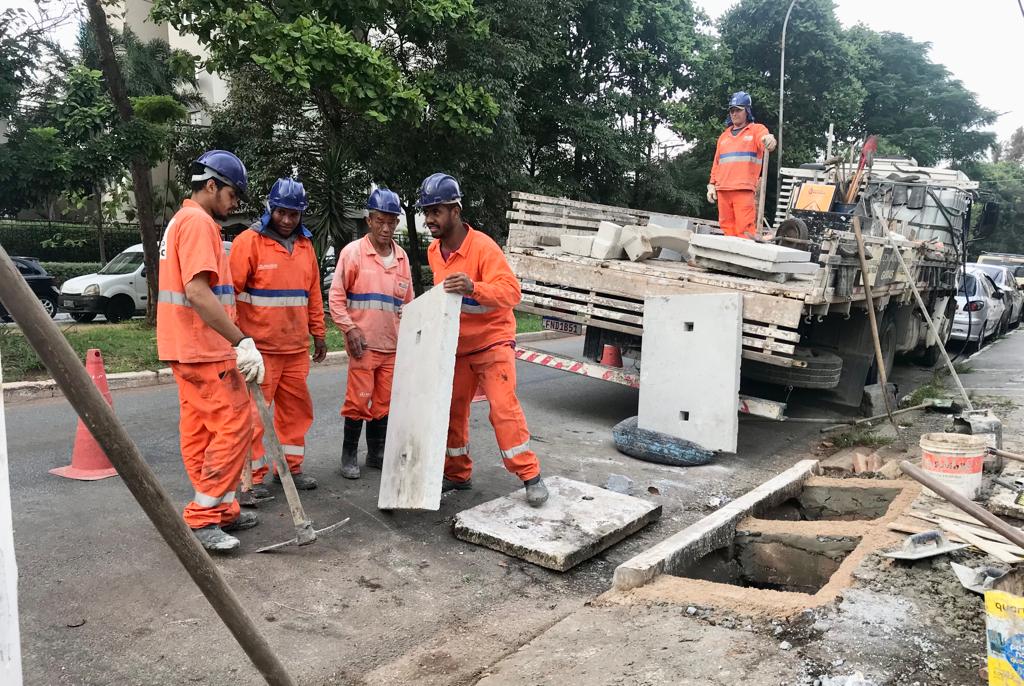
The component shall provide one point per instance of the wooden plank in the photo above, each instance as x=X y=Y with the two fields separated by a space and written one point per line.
x=579 y=318
x=982 y=531
x=546 y=199
x=769 y=345
x=524 y=220
x=904 y=527
x=414 y=449
x=592 y=311
x=777 y=360
x=10 y=641
x=772 y=332
x=528 y=208
x=991 y=548
x=585 y=297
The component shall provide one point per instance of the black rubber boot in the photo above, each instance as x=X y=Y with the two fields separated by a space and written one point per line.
x=376 y=432
x=350 y=447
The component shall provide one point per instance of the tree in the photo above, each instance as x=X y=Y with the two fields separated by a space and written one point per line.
x=140 y=166
x=1013 y=150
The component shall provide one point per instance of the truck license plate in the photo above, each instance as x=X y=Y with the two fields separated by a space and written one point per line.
x=552 y=324
x=69 y=303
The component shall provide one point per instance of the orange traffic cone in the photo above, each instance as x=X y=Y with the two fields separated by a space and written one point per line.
x=479 y=395
x=88 y=461
x=612 y=356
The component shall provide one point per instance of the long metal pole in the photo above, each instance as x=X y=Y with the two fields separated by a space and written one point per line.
x=782 y=87
x=67 y=370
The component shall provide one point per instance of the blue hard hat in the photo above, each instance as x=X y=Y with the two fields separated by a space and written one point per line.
x=439 y=189
x=741 y=99
x=384 y=200
x=289 y=194
x=226 y=168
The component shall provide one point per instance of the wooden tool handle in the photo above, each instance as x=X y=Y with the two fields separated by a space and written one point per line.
x=277 y=455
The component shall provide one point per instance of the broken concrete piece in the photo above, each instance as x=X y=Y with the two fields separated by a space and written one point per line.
x=671 y=238
x=578 y=521
x=578 y=245
x=872 y=403
x=866 y=463
x=414 y=449
x=619 y=483
x=767 y=252
x=754 y=263
x=608 y=243
x=636 y=244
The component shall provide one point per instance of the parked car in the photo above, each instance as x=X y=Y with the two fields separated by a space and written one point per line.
x=1007 y=283
x=1014 y=262
x=980 y=311
x=118 y=291
x=41 y=283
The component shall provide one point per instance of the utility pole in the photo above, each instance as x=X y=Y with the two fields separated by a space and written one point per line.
x=782 y=86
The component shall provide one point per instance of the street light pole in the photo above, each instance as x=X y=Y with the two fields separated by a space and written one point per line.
x=782 y=85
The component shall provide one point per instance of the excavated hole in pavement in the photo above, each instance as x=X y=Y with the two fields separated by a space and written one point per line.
x=774 y=561
x=834 y=503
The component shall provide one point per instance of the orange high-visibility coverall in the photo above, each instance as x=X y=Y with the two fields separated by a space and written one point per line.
x=367 y=294
x=485 y=356
x=280 y=307
x=216 y=421
x=735 y=174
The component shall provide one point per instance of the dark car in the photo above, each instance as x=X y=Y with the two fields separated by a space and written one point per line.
x=41 y=283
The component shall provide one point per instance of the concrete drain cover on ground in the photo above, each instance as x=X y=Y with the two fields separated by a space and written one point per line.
x=577 y=522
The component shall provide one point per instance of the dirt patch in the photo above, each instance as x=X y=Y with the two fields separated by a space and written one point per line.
x=842 y=503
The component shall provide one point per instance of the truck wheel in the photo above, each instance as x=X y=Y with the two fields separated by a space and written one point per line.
x=823 y=370
x=119 y=308
x=83 y=317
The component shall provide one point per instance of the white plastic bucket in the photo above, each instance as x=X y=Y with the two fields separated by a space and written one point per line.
x=955 y=460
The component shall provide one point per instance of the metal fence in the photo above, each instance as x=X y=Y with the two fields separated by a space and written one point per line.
x=65 y=241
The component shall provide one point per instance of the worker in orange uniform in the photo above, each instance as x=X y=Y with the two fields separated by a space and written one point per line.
x=277 y=280
x=737 y=168
x=371 y=283
x=209 y=355
x=469 y=263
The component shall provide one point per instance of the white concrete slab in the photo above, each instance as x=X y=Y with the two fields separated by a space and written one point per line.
x=420 y=400
x=674 y=238
x=690 y=374
x=577 y=245
x=754 y=263
x=578 y=521
x=636 y=244
x=741 y=246
x=608 y=243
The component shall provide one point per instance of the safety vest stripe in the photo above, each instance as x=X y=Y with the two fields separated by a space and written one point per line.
x=273 y=301
x=517 y=450
x=225 y=289
x=374 y=297
x=471 y=306
x=457 y=452
x=175 y=298
x=372 y=305
x=293 y=449
x=278 y=292
x=730 y=157
x=260 y=463
x=206 y=500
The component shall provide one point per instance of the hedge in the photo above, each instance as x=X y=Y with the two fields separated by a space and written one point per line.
x=62 y=271
x=26 y=238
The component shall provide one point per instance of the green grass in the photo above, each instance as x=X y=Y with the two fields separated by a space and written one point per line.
x=935 y=388
x=130 y=346
x=864 y=437
x=963 y=368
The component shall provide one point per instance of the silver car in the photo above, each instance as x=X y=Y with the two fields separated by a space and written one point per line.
x=1004 y=279
x=980 y=311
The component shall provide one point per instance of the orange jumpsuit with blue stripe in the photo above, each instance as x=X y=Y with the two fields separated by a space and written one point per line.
x=735 y=174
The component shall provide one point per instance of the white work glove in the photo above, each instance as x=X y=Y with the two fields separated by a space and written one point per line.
x=769 y=142
x=249 y=360
x=712 y=193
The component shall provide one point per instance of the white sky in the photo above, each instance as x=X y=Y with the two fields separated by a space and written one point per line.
x=978 y=41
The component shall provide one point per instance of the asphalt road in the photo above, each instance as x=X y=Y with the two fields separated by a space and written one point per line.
x=388 y=599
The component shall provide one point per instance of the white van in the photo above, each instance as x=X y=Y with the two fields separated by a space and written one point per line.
x=118 y=291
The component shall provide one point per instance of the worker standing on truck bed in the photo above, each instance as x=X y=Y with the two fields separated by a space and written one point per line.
x=469 y=263
x=210 y=357
x=737 y=168
x=277 y=280
x=371 y=283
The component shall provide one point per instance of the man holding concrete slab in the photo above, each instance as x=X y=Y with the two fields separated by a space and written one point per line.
x=468 y=262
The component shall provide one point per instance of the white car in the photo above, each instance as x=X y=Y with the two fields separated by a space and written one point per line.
x=118 y=291
x=1004 y=279
x=980 y=311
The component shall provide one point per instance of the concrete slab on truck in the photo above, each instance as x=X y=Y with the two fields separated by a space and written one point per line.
x=741 y=246
x=690 y=376
x=578 y=521
x=420 y=401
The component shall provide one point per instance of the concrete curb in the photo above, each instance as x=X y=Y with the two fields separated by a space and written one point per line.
x=20 y=391
x=712 y=532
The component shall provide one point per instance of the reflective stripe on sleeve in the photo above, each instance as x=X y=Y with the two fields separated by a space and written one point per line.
x=223 y=295
x=373 y=301
x=457 y=452
x=205 y=500
x=517 y=450
x=471 y=306
x=293 y=449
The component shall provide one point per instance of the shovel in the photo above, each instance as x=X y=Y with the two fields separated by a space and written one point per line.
x=304 y=531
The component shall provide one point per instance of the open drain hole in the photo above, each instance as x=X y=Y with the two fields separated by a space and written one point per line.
x=836 y=503
x=776 y=562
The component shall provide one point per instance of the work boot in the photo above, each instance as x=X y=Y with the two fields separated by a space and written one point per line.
x=450 y=485
x=245 y=520
x=536 y=491
x=376 y=432
x=215 y=540
x=260 y=492
x=303 y=482
x=350 y=448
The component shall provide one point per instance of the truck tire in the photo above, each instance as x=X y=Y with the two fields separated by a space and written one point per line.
x=822 y=371
x=83 y=317
x=654 y=446
x=119 y=308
